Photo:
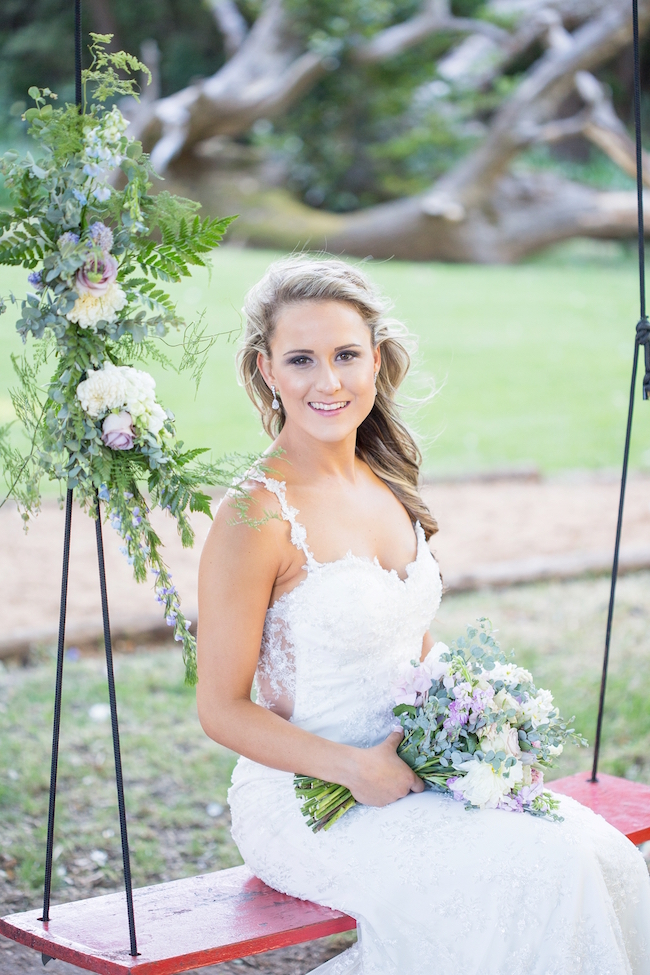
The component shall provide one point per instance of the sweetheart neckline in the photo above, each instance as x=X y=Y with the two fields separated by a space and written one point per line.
x=365 y=560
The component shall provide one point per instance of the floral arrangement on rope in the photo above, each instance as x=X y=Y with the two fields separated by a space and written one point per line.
x=98 y=255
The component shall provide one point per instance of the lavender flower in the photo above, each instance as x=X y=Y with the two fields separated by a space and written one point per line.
x=67 y=240
x=35 y=279
x=102 y=236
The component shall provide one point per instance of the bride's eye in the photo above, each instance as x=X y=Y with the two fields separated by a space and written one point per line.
x=348 y=355
x=299 y=360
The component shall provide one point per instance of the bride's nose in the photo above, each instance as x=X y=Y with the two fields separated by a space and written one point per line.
x=328 y=380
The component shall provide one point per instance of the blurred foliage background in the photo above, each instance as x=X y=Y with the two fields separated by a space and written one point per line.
x=359 y=136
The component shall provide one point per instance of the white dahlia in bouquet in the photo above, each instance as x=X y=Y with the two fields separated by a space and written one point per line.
x=475 y=727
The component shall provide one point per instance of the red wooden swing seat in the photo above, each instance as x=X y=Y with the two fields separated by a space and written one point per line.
x=221 y=916
x=181 y=925
x=624 y=804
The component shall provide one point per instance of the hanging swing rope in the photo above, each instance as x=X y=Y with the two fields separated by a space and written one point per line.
x=56 y=729
x=47 y=889
x=119 y=780
x=642 y=339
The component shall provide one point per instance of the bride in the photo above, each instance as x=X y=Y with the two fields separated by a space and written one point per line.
x=319 y=604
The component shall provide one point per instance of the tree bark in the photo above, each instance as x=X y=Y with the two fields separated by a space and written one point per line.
x=526 y=214
x=270 y=70
x=535 y=102
x=479 y=210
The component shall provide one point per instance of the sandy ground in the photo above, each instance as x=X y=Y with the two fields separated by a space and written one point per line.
x=482 y=524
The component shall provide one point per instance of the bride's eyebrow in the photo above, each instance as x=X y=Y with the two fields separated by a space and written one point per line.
x=350 y=345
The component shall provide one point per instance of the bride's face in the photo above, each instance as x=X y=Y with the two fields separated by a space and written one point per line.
x=323 y=367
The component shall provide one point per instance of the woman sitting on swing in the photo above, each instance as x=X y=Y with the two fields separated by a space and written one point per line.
x=320 y=605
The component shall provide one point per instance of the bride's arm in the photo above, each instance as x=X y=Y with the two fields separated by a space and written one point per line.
x=239 y=567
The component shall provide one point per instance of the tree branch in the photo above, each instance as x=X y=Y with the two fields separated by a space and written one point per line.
x=267 y=73
x=230 y=22
x=478 y=61
x=434 y=19
x=527 y=213
x=535 y=102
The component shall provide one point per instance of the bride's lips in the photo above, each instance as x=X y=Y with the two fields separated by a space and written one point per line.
x=329 y=409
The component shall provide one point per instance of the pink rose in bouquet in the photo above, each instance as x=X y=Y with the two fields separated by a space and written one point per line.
x=97 y=275
x=117 y=431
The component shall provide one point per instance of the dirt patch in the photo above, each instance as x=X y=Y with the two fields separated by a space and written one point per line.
x=481 y=524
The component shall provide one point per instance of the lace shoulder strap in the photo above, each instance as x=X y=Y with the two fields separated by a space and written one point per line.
x=289 y=513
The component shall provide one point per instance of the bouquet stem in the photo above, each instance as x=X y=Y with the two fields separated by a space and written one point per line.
x=325 y=801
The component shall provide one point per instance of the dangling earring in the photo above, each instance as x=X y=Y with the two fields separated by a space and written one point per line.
x=275 y=405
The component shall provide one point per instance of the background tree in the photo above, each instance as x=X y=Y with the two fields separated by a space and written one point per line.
x=471 y=130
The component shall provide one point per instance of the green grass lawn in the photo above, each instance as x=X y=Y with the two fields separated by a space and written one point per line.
x=532 y=362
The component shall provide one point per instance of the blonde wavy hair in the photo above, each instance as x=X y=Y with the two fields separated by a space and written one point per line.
x=383 y=440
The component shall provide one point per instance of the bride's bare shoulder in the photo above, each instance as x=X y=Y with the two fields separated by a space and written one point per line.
x=247 y=523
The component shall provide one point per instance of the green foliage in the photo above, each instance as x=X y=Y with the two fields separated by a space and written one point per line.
x=368 y=133
x=37 y=42
x=96 y=307
x=183 y=244
x=105 y=68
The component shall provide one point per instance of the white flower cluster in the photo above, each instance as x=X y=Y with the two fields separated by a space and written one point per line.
x=90 y=309
x=484 y=787
x=122 y=388
x=537 y=709
x=101 y=150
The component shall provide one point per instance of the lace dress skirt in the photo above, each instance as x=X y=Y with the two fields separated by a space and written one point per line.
x=438 y=890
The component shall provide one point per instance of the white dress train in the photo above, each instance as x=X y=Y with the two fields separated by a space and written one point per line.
x=436 y=890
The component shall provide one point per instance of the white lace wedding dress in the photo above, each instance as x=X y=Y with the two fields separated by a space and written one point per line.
x=436 y=890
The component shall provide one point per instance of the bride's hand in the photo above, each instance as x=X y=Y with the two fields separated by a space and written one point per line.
x=380 y=776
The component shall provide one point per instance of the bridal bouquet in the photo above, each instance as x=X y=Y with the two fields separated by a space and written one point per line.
x=100 y=248
x=475 y=727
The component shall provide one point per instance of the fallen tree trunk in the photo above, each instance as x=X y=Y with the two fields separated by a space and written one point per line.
x=479 y=210
x=527 y=212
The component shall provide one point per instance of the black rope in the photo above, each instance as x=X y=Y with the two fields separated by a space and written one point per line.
x=57 y=709
x=77 y=53
x=119 y=781
x=642 y=339
x=56 y=727
x=126 y=859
